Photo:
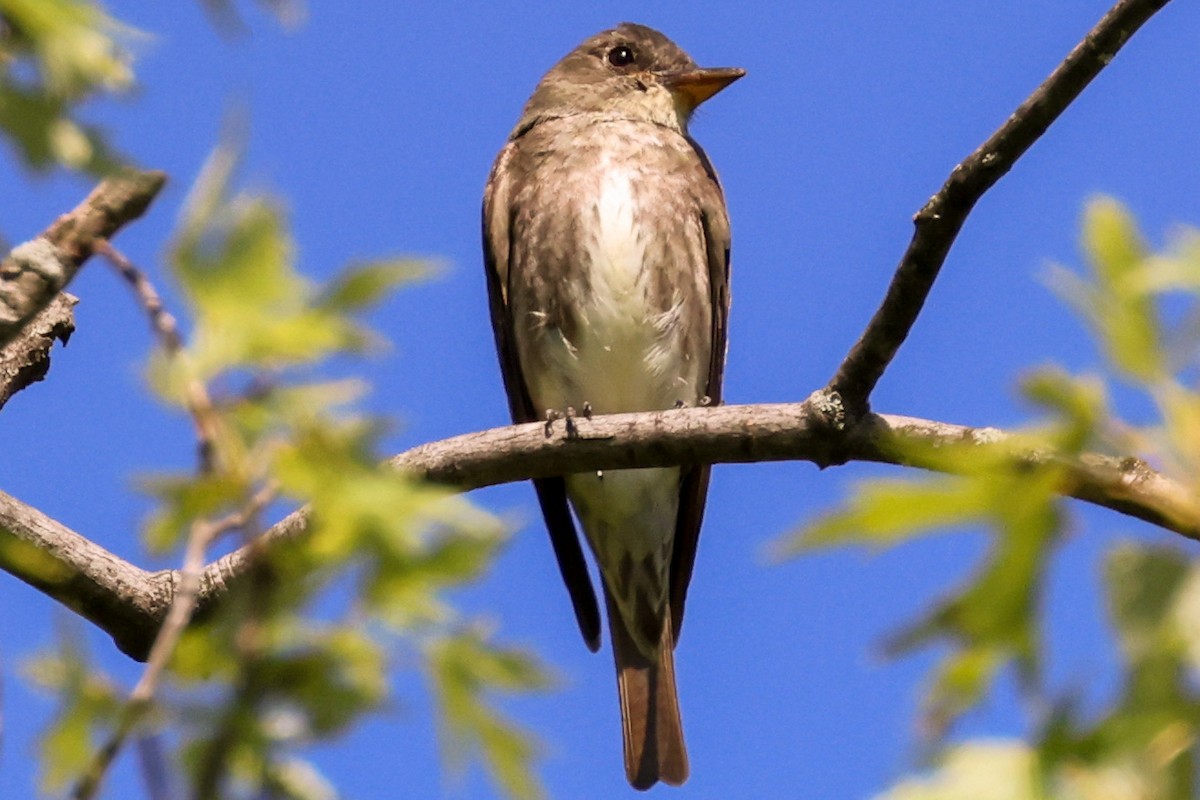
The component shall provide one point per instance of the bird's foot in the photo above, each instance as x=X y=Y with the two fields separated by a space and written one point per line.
x=568 y=417
x=552 y=415
x=703 y=402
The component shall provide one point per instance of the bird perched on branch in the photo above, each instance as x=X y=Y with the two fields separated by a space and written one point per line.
x=606 y=244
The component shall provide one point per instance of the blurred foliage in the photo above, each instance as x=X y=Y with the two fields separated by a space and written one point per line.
x=227 y=18
x=301 y=646
x=461 y=669
x=55 y=55
x=89 y=703
x=1143 y=308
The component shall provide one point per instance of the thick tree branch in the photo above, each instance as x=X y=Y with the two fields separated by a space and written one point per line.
x=940 y=220
x=131 y=604
x=125 y=601
x=36 y=271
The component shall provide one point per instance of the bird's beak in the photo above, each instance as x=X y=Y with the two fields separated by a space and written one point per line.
x=694 y=86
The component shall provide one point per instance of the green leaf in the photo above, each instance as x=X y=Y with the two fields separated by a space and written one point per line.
x=1111 y=240
x=359 y=286
x=89 y=707
x=886 y=512
x=44 y=134
x=75 y=44
x=1186 y=613
x=33 y=563
x=234 y=257
x=55 y=54
x=463 y=669
x=1143 y=585
x=957 y=684
x=66 y=748
x=1119 y=306
x=1180 y=435
x=281 y=662
x=331 y=675
x=1080 y=405
x=185 y=500
x=1146 y=738
x=992 y=620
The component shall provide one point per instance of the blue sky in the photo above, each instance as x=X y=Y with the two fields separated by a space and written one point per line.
x=378 y=123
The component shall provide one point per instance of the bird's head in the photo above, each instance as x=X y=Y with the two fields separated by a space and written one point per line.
x=628 y=72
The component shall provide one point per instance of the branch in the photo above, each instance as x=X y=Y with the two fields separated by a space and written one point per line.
x=166 y=330
x=940 y=220
x=183 y=604
x=36 y=271
x=26 y=359
x=130 y=603
x=125 y=601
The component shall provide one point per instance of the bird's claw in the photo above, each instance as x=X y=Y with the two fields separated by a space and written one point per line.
x=568 y=418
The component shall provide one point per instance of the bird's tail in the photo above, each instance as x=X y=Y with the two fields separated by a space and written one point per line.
x=650 y=721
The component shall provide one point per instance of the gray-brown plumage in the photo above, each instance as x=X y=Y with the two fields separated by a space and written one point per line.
x=607 y=251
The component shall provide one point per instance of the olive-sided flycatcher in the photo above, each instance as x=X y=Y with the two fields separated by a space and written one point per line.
x=607 y=251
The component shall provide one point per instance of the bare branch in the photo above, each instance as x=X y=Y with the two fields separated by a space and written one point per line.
x=36 y=271
x=124 y=600
x=162 y=322
x=26 y=359
x=131 y=604
x=203 y=533
x=940 y=220
x=205 y=419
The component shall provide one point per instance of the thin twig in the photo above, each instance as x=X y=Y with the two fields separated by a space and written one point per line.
x=162 y=322
x=141 y=697
x=201 y=537
x=940 y=220
x=252 y=683
x=205 y=418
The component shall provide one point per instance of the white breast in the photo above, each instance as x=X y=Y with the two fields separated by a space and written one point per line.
x=625 y=354
x=617 y=251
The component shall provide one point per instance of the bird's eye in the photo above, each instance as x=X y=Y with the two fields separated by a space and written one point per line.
x=621 y=56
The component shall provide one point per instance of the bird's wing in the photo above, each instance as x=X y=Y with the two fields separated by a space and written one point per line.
x=694 y=485
x=551 y=492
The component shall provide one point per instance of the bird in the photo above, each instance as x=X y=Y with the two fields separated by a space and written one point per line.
x=606 y=248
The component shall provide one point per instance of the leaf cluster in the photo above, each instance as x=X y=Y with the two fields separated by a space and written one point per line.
x=301 y=647
x=55 y=55
x=1142 y=307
